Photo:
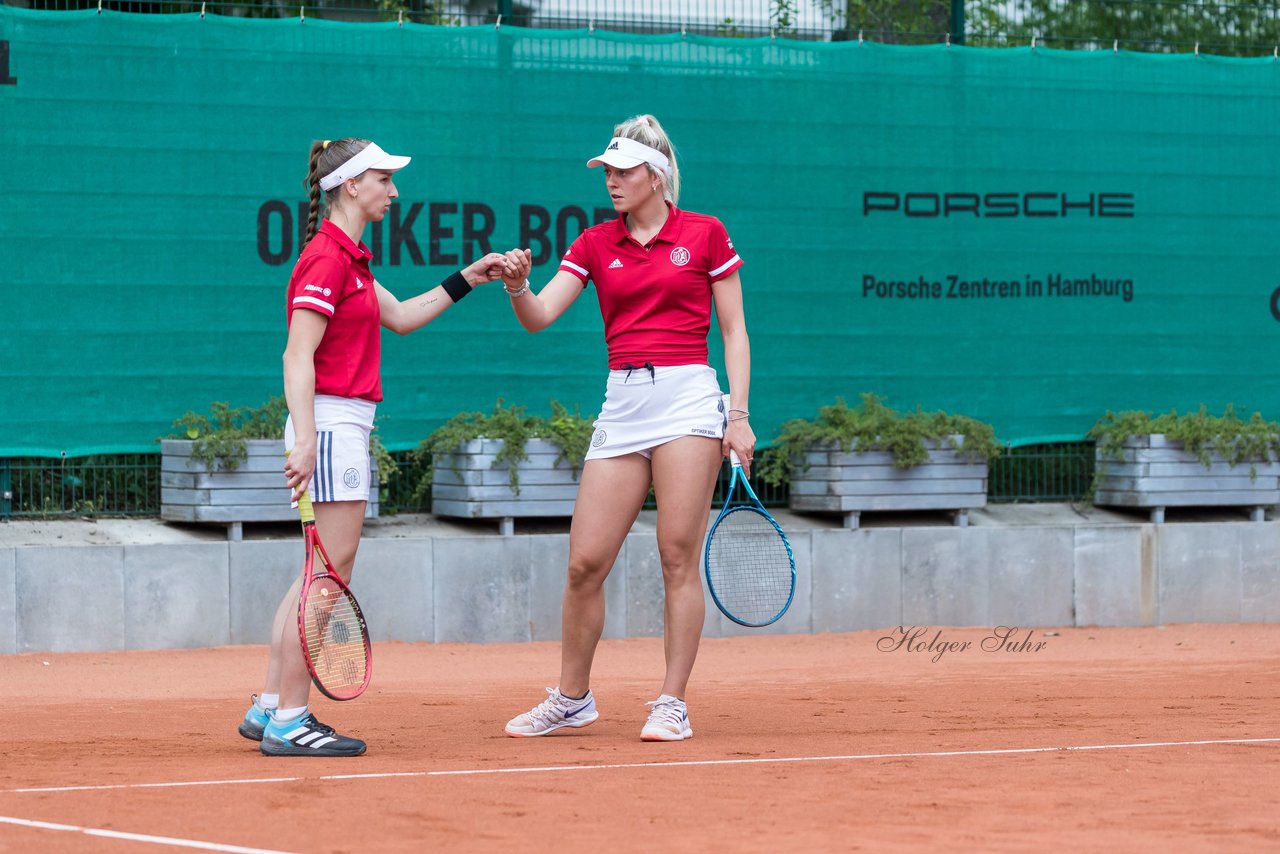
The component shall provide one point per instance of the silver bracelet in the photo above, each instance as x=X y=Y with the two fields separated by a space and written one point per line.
x=739 y=418
x=518 y=292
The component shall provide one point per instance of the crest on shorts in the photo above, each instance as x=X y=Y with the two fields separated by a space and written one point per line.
x=351 y=478
x=679 y=256
x=597 y=439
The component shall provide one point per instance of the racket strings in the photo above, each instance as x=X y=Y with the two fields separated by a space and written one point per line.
x=335 y=637
x=749 y=566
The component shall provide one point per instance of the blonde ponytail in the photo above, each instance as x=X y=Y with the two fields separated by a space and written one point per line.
x=645 y=129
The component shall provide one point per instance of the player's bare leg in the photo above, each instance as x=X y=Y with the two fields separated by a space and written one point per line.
x=339 y=524
x=684 y=479
x=610 y=495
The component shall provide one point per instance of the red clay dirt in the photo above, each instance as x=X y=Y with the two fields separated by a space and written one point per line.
x=1150 y=739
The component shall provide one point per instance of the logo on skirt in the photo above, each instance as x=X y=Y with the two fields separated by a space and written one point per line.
x=351 y=478
x=597 y=438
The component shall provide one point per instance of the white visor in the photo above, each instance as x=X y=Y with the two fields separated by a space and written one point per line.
x=623 y=153
x=369 y=157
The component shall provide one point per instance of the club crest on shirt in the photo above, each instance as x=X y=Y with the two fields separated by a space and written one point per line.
x=679 y=256
x=598 y=438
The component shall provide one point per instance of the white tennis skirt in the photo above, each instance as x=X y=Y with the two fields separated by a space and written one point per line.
x=646 y=407
x=343 y=425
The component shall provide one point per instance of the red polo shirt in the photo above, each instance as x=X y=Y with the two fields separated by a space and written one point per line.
x=655 y=299
x=332 y=278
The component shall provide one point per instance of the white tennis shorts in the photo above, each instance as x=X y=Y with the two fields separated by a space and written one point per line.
x=343 y=425
x=644 y=408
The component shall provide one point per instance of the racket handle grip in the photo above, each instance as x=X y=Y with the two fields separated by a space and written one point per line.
x=305 y=510
x=733 y=458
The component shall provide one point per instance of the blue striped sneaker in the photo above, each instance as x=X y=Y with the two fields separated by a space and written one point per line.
x=555 y=712
x=306 y=736
x=255 y=720
x=668 y=721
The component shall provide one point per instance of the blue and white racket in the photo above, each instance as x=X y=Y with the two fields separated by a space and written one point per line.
x=749 y=565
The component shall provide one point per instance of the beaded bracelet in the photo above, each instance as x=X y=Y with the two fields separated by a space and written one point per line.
x=518 y=292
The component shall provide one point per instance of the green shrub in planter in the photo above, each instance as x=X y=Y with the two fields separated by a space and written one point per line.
x=220 y=438
x=1192 y=459
x=1235 y=439
x=873 y=458
x=570 y=432
x=872 y=426
x=227 y=467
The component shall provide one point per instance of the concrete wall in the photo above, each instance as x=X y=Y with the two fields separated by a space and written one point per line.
x=489 y=588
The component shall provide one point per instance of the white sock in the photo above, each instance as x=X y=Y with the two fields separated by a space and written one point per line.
x=282 y=715
x=268 y=701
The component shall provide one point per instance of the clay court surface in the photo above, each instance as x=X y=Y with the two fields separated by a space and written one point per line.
x=1151 y=739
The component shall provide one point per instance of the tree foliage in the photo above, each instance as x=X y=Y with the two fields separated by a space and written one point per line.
x=1230 y=28
x=889 y=21
x=1149 y=25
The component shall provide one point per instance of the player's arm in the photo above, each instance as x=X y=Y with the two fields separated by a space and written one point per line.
x=538 y=311
x=738 y=436
x=306 y=328
x=405 y=316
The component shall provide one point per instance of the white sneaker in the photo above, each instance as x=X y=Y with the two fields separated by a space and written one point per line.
x=668 y=721
x=553 y=713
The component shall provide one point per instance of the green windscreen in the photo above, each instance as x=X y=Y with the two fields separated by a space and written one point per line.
x=1029 y=237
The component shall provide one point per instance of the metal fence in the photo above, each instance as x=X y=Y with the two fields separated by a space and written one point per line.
x=1228 y=28
x=116 y=485
x=1061 y=471
x=129 y=485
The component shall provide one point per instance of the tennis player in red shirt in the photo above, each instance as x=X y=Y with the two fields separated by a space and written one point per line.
x=332 y=383
x=658 y=270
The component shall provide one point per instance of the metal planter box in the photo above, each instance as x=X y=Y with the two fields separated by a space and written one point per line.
x=1154 y=472
x=253 y=492
x=468 y=484
x=837 y=481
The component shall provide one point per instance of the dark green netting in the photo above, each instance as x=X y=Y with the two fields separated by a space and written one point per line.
x=154 y=168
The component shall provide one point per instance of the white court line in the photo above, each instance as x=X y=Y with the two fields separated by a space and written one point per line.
x=137 y=837
x=170 y=785
x=844 y=758
x=546 y=769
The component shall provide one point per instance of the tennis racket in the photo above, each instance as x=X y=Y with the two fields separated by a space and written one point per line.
x=749 y=565
x=335 y=640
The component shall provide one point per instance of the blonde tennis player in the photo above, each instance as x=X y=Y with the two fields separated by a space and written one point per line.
x=658 y=270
